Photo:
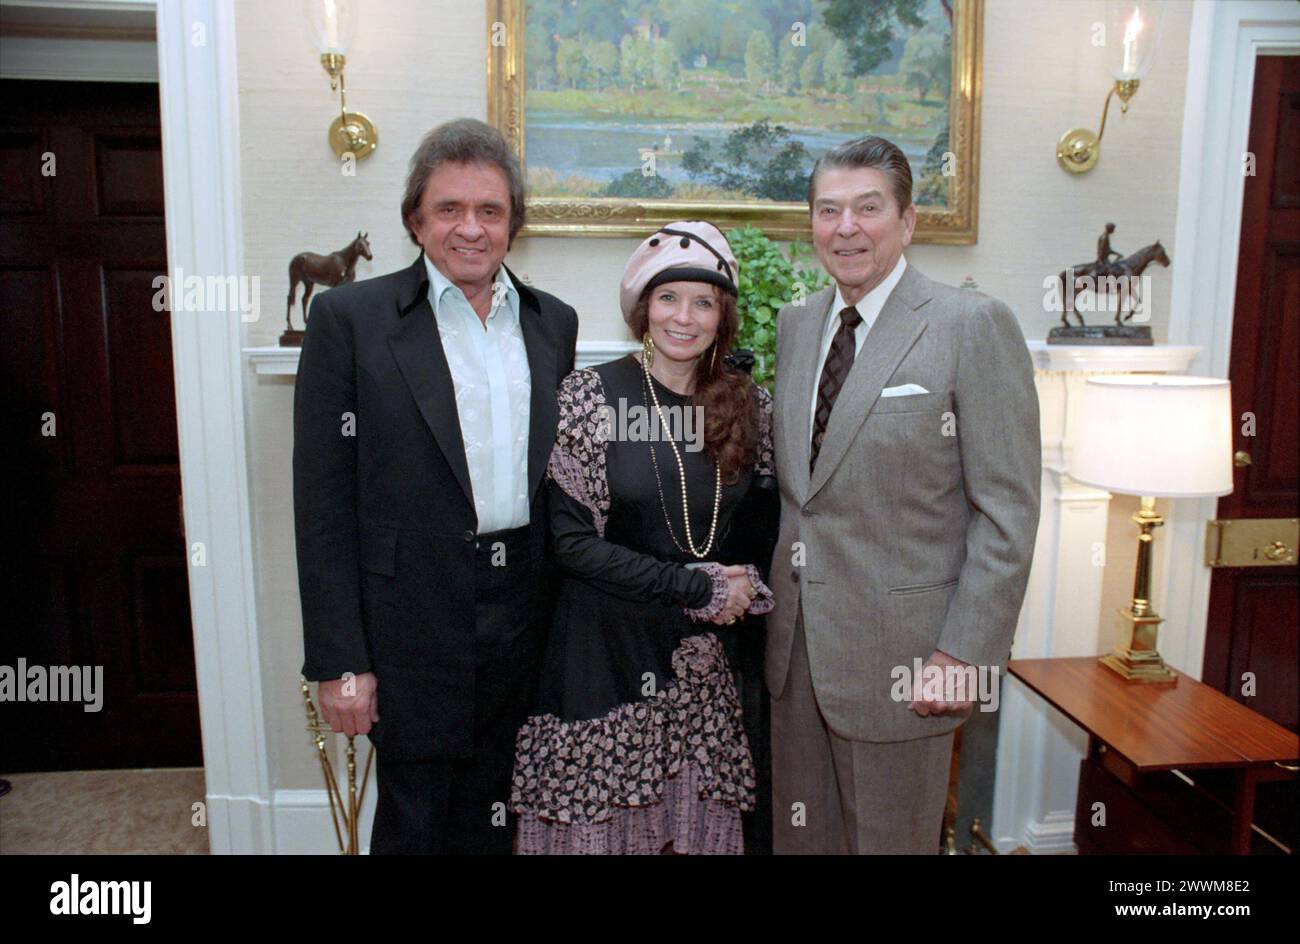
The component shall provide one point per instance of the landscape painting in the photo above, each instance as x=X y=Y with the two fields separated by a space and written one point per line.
x=631 y=113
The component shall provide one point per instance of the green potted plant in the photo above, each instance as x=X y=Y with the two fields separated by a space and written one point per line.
x=769 y=278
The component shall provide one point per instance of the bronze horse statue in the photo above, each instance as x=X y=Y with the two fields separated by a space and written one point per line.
x=312 y=269
x=1101 y=276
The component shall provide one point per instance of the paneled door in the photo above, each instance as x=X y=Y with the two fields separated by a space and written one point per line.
x=95 y=556
x=1251 y=648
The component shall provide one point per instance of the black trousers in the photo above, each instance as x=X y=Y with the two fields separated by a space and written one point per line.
x=460 y=806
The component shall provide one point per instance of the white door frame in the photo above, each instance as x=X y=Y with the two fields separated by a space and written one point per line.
x=199 y=94
x=1226 y=38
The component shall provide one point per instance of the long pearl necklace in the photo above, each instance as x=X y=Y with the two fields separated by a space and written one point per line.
x=681 y=469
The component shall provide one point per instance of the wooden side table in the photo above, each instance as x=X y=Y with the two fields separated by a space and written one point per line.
x=1139 y=736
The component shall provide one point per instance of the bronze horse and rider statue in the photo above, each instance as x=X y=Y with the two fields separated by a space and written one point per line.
x=312 y=269
x=1109 y=274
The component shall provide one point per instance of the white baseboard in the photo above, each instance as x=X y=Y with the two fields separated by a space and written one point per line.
x=303 y=825
x=1052 y=835
x=240 y=825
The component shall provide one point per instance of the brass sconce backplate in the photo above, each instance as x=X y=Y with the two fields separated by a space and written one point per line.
x=358 y=136
x=1078 y=150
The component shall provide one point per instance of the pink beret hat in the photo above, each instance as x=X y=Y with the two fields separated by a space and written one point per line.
x=685 y=251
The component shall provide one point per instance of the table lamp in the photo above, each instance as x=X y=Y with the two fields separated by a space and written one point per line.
x=1154 y=436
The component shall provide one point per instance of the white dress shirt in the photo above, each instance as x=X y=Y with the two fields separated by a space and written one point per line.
x=869 y=307
x=489 y=368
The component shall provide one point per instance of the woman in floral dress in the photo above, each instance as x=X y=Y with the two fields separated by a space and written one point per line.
x=638 y=744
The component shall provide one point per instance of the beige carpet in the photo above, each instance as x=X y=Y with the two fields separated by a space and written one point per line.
x=103 y=811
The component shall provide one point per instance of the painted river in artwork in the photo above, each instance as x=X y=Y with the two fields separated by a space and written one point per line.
x=571 y=143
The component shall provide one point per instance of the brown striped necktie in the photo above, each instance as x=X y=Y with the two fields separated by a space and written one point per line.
x=839 y=361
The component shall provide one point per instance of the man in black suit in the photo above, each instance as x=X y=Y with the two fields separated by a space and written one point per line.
x=424 y=416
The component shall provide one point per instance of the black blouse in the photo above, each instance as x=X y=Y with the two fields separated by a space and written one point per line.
x=628 y=597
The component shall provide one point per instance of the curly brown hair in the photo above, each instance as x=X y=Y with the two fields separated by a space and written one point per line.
x=725 y=393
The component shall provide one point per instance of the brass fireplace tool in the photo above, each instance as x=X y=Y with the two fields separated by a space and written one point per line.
x=338 y=808
x=979 y=839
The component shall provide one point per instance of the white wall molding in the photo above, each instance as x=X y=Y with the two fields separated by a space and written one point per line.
x=55 y=8
x=1225 y=40
x=591 y=353
x=273 y=360
x=78 y=59
x=200 y=134
x=79 y=40
x=283 y=361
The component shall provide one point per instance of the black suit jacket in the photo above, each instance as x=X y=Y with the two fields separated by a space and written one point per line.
x=383 y=513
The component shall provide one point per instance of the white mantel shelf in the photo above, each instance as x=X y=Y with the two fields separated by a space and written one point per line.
x=274 y=359
x=1112 y=358
x=283 y=361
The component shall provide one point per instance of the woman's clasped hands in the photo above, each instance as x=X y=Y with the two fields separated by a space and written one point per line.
x=740 y=594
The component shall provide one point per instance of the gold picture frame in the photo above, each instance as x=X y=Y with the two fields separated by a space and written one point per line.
x=954 y=223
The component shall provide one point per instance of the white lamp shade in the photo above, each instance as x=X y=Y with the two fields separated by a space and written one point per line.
x=1154 y=434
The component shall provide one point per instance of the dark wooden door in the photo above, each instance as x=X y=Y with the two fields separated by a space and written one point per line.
x=96 y=563
x=1254 y=613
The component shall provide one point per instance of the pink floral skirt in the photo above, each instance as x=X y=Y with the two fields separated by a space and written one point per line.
x=675 y=768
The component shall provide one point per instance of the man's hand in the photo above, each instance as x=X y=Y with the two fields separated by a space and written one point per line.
x=740 y=595
x=350 y=704
x=938 y=706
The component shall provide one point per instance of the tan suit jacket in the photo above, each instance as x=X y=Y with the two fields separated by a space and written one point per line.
x=917 y=529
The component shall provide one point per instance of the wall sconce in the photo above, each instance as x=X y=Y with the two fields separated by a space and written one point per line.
x=332 y=25
x=1136 y=24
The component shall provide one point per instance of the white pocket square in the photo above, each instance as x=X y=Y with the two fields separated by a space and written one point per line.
x=906 y=390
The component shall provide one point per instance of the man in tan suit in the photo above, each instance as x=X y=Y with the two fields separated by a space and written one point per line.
x=907 y=449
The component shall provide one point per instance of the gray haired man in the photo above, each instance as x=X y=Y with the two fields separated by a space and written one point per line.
x=907 y=450
x=424 y=414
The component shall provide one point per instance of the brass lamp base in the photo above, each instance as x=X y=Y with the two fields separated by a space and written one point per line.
x=1136 y=657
